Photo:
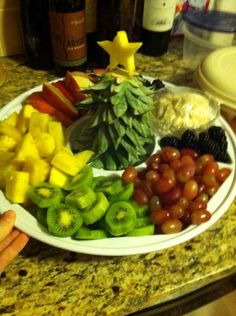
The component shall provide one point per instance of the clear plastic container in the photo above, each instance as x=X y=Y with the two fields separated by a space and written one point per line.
x=177 y=108
x=204 y=32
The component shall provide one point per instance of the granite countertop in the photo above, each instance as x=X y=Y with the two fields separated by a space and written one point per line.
x=44 y=280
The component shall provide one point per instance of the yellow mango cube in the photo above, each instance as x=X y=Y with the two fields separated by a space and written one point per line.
x=38 y=123
x=26 y=148
x=65 y=161
x=55 y=129
x=24 y=117
x=38 y=169
x=16 y=186
x=57 y=177
x=12 y=119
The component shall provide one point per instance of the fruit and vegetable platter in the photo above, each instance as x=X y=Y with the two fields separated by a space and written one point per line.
x=87 y=165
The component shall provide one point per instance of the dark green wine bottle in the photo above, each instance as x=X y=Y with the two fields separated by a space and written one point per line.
x=91 y=32
x=116 y=15
x=68 y=34
x=36 y=33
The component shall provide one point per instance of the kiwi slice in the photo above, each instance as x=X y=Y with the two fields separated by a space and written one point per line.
x=97 y=180
x=87 y=233
x=81 y=198
x=110 y=185
x=45 y=194
x=41 y=215
x=125 y=194
x=142 y=231
x=82 y=178
x=97 y=210
x=141 y=210
x=143 y=221
x=63 y=220
x=120 y=218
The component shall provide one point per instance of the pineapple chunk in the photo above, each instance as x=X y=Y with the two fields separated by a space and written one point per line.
x=6 y=169
x=38 y=169
x=24 y=118
x=83 y=158
x=9 y=130
x=38 y=123
x=55 y=129
x=65 y=161
x=7 y=143
x=57 y=177
x=5 y=157
x=66 y=149
x=26 y=148
x=16 y=186
x=45 y=144
x=12 y=119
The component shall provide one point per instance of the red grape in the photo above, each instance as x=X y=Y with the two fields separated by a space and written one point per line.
x=172 y=196
x=169 y=153
x=210 y=168
x=154 y=203
x=176 y=211
x=172 y=225
x=200 y=216
x=160 y=216
x=185 y=173
x=197 y=205
x=190 y=189
x=223 y=174
x=129 y=175
x=140 y=196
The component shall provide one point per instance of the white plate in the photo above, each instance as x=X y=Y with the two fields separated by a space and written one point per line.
x=120 y=246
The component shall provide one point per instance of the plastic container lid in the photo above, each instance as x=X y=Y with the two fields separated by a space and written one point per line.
x=216 y=75
x=212 y=20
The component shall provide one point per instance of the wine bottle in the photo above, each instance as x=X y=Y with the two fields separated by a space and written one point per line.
x=116 y=15
x=36 y=33
x=68 y=34
x=157 y=22
x=91 y=31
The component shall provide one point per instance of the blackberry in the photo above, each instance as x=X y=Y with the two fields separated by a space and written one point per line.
x=155 y=84
x=223 y=156
x=217 y=133
x=171 y=141
x=224 y=145
x=189 y=139
x=158 y=84
x=211 y=147
x=203 y=140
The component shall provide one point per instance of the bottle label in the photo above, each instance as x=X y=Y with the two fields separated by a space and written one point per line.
x=68 y=38
x=158 y=15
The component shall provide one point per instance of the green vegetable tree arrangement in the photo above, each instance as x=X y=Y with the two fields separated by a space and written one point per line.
x=117 y=121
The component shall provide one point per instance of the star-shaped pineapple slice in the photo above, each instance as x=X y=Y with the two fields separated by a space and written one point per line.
x=121 y=51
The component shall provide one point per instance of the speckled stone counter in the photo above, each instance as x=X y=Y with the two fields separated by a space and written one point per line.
x=44 y=280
